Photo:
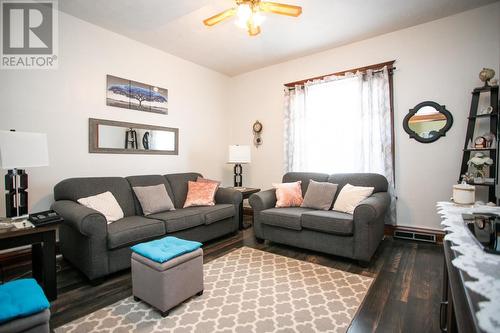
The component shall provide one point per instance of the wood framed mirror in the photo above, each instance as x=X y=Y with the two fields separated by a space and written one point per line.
x=117 y=137
x=427 y=122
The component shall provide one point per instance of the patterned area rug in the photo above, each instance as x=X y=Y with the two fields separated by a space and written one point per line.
x=246 y=290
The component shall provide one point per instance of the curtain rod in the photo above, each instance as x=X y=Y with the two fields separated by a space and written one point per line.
x=376 y=67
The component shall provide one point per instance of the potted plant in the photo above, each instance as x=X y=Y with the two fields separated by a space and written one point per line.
x=479 y=162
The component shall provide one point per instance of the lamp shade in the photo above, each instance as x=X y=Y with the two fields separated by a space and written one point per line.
x=239 y=154
x=20 y=150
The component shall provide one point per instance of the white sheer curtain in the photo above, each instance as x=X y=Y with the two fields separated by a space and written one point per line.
x=341 y=124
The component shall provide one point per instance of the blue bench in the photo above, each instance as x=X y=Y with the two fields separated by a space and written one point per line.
x=23 y=307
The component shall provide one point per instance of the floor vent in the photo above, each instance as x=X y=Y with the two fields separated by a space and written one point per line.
x=418 y=236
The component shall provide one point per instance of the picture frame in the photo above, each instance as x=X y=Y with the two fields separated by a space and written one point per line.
x=134 y=95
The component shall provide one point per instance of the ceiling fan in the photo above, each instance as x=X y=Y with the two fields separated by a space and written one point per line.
x=248 y=14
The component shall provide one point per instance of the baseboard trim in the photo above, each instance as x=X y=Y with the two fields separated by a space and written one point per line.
x=390 y=229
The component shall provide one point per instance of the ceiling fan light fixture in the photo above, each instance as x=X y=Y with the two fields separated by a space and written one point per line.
x=258 y=19
x=249 y=16
x=255 y=19
x=244 y=12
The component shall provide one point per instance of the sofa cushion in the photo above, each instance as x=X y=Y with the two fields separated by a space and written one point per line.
x=328 y=221
x=148 y=180
x=288 y=218
x=179 y=184
x=219 y=212
x=133 y=229
x=76 y=188
x=190 y=217
x=165 y=249
x=181 y=219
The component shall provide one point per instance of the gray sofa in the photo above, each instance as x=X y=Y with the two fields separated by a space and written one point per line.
x=98 y=249
x=355 y=236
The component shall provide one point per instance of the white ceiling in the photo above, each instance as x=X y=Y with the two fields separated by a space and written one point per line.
x=175 y=26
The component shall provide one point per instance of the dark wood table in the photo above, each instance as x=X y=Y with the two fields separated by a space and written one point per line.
x=246 y=192
x=460 y=304
x=43 y=253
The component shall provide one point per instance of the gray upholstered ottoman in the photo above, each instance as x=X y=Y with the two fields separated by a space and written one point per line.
x=165 y=285
x=36 y=323
x=23 y=307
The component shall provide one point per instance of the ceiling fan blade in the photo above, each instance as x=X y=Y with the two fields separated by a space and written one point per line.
x=219 y=17
x=280 y=8
x=253 y=30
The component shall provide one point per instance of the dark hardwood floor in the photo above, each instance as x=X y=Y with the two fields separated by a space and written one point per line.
x=404 y=297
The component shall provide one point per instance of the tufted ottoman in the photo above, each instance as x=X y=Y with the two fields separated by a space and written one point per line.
x=166 y=272
x=23 y=307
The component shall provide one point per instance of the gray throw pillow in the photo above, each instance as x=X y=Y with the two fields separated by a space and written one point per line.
x=319 y=195
x=153 y=199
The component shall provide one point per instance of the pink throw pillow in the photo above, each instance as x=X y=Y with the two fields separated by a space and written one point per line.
x=200 y=194
x=288 y=194
x=206 y=180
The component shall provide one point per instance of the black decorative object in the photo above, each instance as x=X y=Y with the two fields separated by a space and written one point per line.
x=238 y=155
x=16 y=196
x=439 y=115
x=131 y=139
x=238 y=178
x=145 y=140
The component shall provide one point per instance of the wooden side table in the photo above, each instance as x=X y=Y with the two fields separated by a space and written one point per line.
x=246 y=192
x=43 y=253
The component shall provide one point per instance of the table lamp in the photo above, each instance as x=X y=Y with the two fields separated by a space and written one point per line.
x=19 y=150
x=238 y=155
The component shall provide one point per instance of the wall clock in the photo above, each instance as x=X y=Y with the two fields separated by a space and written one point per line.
x=257 y=130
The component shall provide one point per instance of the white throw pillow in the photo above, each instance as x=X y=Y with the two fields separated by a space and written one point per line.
x=350 y=196
x=106 y=204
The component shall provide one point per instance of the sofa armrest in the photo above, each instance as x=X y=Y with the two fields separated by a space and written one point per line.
x=373 y=207
x=369 y=219
x=263 y=200
x=87 y=221
x=228 y=196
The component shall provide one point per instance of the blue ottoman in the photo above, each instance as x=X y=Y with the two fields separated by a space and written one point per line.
x=23 y=307
x=166 y=272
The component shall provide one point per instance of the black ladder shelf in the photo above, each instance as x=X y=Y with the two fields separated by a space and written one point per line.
x=494 y=123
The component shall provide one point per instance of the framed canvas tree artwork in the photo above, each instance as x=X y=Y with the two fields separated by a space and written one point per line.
x=135 y=95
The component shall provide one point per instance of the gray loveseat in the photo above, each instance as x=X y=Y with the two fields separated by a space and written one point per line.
x=355 y=236
x=98 y=249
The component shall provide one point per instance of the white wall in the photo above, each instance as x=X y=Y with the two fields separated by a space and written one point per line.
x=437 y=61
x=59 y=103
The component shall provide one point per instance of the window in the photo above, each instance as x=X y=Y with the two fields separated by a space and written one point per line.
x=341 y=124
